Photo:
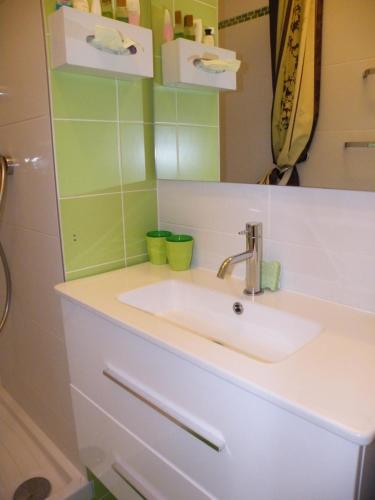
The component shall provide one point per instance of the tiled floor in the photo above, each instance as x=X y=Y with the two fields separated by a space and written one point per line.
x=25 y=452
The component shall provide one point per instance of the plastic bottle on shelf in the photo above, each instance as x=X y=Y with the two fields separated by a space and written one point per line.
x=134 y=12
x=189 y=27
x=209 y=38
x=107 y=9
x=167 y=28
x=96 y=7
x=178 y=26
x=81 y=5
x=121 y=12
x=198 y=30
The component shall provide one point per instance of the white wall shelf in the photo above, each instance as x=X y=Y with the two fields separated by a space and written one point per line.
x=179 y=69
x=71 y=51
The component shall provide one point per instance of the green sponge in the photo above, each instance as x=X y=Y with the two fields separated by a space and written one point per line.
x=271 y=275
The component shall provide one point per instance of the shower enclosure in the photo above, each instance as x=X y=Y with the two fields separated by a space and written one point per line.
x=34 y=381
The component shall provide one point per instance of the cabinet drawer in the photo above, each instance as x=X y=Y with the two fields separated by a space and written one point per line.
x=228 y=441
x=128 y=467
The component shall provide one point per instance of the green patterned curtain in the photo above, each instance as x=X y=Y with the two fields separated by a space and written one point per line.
x=296 y=35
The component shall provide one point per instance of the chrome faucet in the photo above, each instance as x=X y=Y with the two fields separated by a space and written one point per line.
x=253 y=257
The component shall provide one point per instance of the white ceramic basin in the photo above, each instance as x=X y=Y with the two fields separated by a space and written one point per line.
x=261 y=332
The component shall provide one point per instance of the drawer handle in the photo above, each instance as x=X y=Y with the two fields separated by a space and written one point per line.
x=178 y=416
x=136 y=481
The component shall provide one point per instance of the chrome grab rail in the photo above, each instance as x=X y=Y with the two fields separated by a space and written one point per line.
x=6 y=168
x=178 y=416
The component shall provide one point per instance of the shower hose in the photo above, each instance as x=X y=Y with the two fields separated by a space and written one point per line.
x=8 y=282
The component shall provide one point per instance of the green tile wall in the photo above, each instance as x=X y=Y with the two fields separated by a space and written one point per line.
x=186 y=121
x=104 y=148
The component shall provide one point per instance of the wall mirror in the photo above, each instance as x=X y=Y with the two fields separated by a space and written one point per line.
x=203 y=135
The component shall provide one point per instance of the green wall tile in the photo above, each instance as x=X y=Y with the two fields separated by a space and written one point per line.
x=197 y=107
x=214 y=3
x=140 y=209
x=92 y=271
x=198 y=153
x=189 y=153
x=83 y=97
x=48 y=8
x=165 y=104
x=146 y=19
x=87 y=157
x=166 y=151
x=158 y=78
x=137 y=156
x=92 y=229
x=135 y=101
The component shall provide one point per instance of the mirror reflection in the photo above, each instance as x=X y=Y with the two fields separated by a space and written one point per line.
x=227 y=136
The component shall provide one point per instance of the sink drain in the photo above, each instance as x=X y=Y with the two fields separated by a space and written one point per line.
x=238 y=308
x=36 y=488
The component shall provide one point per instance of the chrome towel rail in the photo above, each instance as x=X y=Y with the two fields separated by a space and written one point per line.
x=367 y=72
x=359 y=144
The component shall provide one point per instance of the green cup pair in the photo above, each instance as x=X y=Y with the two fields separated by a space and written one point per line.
x=177 y=249
x=156 y=247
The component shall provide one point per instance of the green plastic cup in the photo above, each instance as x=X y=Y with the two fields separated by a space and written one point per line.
x=179 y=251
x=156 y=248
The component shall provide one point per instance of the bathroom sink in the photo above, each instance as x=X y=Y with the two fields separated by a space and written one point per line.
x=258 y=331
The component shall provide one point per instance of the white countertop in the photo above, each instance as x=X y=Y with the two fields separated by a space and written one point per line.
x=330 y=381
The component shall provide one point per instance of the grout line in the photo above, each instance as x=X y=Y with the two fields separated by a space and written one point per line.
x=269 y=208
x=349 y=61
x=89 y=120
x=157 y=202
x=137 y=256
x=83 y=120
x=89 y=195
x=123 y=191
x=177 y=136
x=119 y=159
x=25 y=120
x=140 y=190
x=136 y=122
x=186 y=124
x=206 y=4
x=95 y=266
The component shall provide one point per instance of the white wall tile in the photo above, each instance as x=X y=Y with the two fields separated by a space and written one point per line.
x=36 y=267
x=332 y=220
x=324 y=239
x=22 y=62
x=348 y=25
x=347 y=100
x=331 y=165
x=31 y=200
x=208 y=205
x=33 y=364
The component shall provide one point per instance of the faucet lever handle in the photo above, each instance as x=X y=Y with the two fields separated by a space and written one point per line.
x=252 y=228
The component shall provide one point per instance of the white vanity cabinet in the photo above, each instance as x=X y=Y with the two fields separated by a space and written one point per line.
x=171 y=429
